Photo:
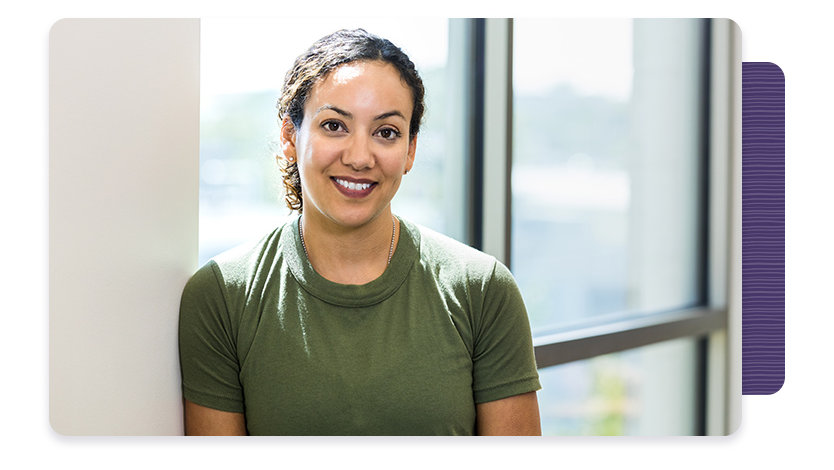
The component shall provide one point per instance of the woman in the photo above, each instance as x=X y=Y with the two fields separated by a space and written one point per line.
x=349 y=320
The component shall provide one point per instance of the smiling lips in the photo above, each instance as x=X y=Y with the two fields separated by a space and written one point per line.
x=352 y=187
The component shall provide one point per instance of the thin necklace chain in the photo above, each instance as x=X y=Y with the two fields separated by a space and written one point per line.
x=390 y=250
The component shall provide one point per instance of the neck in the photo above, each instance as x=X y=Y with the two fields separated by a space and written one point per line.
x=349 y=255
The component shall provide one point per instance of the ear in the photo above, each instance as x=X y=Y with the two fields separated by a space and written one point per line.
x=288 y=139
x=412 y=150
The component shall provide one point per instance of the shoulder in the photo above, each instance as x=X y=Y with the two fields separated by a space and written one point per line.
x=453 y=262
x=439 y=249
x=237 y=267
x=245 y=260
x=216 y=297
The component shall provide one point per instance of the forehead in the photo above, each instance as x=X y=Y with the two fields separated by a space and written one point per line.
x=363 y=83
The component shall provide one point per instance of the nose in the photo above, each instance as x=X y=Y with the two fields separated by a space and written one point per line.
x=358 y=154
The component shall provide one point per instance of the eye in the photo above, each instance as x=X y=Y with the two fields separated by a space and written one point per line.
x=388 y=133
x=332 y=126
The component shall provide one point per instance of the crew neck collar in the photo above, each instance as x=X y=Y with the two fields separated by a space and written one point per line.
x=349 y=295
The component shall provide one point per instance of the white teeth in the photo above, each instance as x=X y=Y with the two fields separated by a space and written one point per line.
x=353 y=186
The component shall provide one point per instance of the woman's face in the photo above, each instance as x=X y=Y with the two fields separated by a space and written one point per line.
x=352 y=147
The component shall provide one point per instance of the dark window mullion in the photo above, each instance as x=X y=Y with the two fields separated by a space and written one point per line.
x=475 y=105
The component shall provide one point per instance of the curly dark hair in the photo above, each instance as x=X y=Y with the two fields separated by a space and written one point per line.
x=326 y=54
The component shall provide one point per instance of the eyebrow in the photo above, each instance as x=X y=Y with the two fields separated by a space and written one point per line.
x=349 y=115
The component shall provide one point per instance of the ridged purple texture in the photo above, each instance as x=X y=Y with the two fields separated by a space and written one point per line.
x=763 y=228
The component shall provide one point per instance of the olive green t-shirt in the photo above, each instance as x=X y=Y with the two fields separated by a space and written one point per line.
x=410 y=353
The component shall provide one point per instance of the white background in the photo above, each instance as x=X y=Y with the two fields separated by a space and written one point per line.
x=786 y=429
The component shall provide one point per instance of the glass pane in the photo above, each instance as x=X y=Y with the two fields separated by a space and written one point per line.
x=606 y=162
x=644 y=391
x=243 y=62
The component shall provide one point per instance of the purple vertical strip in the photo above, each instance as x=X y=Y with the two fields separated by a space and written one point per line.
x=763 y=228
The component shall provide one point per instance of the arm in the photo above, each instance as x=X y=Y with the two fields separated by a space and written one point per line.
x=203 y=421
x=512 y=416
x=208 y=358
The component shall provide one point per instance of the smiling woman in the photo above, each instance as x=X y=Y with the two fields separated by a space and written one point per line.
x=352 y=149
x=349 y=319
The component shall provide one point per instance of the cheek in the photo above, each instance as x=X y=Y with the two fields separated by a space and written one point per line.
x=397 y=159
x=320 y=151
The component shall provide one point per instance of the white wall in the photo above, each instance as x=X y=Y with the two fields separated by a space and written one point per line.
x=123 y=208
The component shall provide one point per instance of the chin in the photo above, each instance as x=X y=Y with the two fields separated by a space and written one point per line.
x=354 y=218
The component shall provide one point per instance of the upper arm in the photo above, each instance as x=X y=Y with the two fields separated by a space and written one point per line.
x=505 y=377
x=208 y=353
x=512 y=416
x=203 y=421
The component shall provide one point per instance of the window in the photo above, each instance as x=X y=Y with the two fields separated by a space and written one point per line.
x=572 y=174
x=610 y=216
x=651 y=390
x=606 y=207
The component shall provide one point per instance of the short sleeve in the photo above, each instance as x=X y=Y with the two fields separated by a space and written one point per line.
x=208 y=359
x=504 y=364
